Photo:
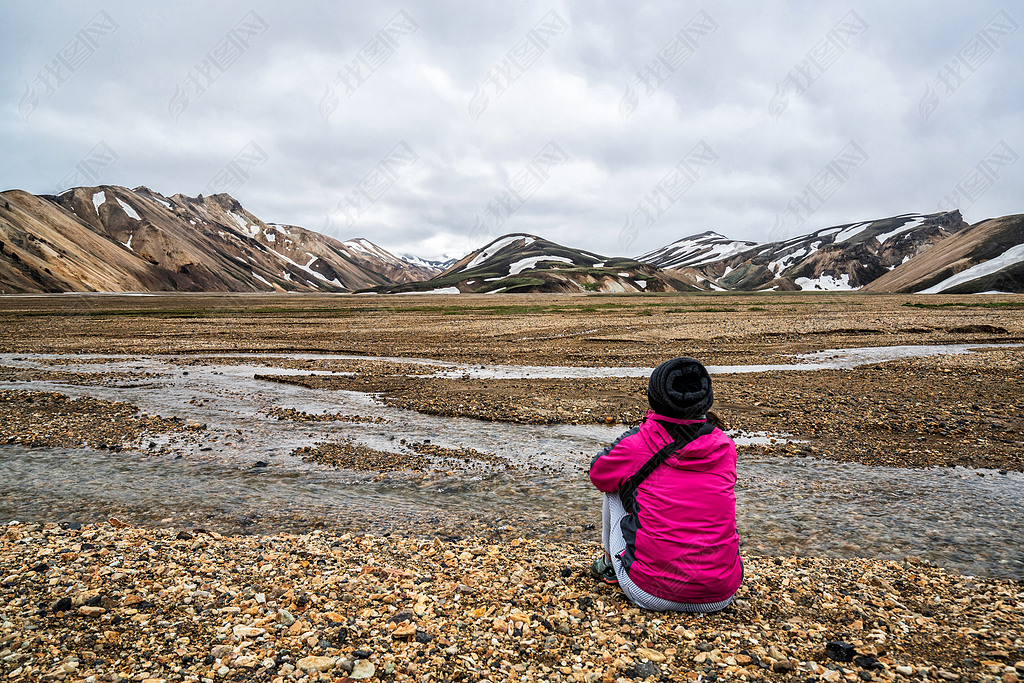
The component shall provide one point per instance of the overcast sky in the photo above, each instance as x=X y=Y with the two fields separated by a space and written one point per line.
x=431 y=128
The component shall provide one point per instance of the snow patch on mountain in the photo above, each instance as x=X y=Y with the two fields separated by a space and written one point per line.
x=825 y=283
x=496 y=246
x=1011 y=256
x=369 y=248
x=98 y=199
x=695 y=251
x=527 y=263
x=886 y=235
x=441 y=290
x=243 y=225
x=852 y=231
x=132 y=213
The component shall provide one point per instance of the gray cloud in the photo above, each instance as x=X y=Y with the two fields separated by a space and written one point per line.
x=476 y=90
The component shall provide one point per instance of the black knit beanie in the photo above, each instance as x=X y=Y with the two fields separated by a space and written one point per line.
x=680 y=388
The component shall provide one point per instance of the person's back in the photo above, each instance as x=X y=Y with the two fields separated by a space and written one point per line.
x=679 y=549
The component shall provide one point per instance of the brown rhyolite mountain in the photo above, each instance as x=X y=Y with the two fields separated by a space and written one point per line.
x=988 y=242
x=114 y=239
x=839 y=257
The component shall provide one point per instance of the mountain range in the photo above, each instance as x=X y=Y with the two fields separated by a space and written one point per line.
x=112 y=238
x=115 y=239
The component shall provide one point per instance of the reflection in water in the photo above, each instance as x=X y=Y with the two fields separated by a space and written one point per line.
x=953 y=517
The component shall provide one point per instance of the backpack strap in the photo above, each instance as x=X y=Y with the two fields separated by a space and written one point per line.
x=685 y=434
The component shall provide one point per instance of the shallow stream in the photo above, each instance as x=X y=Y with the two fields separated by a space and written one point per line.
x=968 y=520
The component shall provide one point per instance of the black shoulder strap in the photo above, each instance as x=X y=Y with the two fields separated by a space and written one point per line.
x=686 y=434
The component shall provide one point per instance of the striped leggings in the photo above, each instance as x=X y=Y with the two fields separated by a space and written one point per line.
x=612 y=513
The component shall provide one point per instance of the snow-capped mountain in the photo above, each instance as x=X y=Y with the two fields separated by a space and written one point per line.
x=843 y=257
x=111 y=238
x=114 y=239
x=527 y=263
x=988 y=256
x=436 y=266
x=695 y=251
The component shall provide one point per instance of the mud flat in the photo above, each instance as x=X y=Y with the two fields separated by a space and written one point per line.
x=166 y=600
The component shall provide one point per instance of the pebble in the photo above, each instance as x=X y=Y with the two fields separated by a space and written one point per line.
x=314 y=663
x=363 y=668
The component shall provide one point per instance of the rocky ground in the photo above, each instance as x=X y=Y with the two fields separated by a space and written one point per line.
x=44 y=418
x=424 y=456
x=113 y=603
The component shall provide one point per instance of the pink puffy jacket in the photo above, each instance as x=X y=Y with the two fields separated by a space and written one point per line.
x=682 y=543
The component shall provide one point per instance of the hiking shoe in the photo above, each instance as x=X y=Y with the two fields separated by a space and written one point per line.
x=602 y=570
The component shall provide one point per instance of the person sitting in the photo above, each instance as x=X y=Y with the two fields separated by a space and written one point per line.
x=669 y=511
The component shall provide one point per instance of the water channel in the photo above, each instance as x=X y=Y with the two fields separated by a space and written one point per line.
x=968 y=520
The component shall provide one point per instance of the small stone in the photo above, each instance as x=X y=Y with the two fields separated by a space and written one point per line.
x=406 y=630
x=363 y=668
x=89 y=611
x=313 y=663
x=642 y=670
x=652 y=655
x=285 y=618
x=398 y=618
x=866 y=662
x=221 y=651
x=947 y=675
x=247 y=631
x=839 y=651
x=905 y=670
x=62 y=605
x=783 y=666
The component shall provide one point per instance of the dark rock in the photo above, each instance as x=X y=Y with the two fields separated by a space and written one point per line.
x=866 y=662
x=260 y=463
x=40 y=568
x=839 y=651
x=423 y=637
x=94 y=601
x=399 y=617
x=783 y=666
x=643 y=669
x=62 y=605
x=184 y=536
x=566 y=573
x=361 y=654
x=865 y=675
x=73 y=526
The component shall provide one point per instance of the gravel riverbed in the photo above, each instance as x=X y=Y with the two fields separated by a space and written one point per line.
x=109 y=602
x=115 y=602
